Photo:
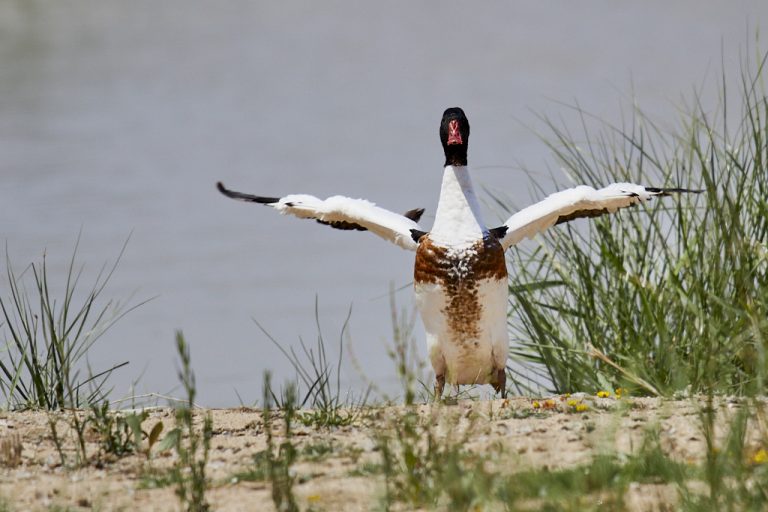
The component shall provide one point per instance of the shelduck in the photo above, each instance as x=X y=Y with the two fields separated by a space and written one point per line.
x=460 y=273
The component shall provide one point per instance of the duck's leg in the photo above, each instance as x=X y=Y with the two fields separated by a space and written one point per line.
x=439 y=387
x=501 y=382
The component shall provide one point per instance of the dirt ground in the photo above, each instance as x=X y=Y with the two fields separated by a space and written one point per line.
x=529 y=434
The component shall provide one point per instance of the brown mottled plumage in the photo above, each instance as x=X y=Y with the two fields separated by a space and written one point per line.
x=458 y=273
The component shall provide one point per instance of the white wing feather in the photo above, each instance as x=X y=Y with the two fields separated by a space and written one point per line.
x=388 y=225
x=581 y=201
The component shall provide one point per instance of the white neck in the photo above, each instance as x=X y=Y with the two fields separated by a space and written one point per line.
x=457 y=220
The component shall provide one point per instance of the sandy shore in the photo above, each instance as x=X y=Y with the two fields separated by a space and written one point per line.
x=331 y=467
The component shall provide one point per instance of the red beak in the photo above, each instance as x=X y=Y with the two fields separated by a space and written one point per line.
x=454 y=135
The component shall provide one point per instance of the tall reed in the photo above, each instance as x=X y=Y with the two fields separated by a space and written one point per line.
x=672 y=295
x=47 y=338
x=321 y=377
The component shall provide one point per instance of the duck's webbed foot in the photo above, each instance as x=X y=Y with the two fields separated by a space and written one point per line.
x=439 y=387
x=501 y=382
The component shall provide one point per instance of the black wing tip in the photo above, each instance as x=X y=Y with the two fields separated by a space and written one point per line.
x=224 y=190
x=416 y=235
x=245 y=197
x=414 y=215
x=221 y=188
x=669 y=191
x=499 y=232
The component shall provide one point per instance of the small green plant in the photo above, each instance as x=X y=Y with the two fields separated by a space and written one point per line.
x=192 y=446
x=122 y=433
x=76 y=427
x=118 y=434
x=53 y=428
x=404 y=353
x=267 y=467
x=421 y=467
x=322 y=381
x=48 y=337
x=279 y=462
x=258 y=471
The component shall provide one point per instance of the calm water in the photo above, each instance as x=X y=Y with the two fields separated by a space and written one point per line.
x=119 y=117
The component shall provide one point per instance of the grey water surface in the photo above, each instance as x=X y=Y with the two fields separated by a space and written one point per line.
x=118 y=118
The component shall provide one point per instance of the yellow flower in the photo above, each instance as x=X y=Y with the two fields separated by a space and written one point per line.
x=573 y=403
x=536 y=405
x=582 y=407
x=761 y=457
x=603 y=394
x=620 y=391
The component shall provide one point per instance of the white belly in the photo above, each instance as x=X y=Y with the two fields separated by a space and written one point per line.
x=466 y=328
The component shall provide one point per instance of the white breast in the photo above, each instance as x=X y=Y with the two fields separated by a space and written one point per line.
x=466 y=342
x=460 y=281
x=462 y=297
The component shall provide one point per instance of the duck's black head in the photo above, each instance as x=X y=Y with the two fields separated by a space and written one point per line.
x=454 y=134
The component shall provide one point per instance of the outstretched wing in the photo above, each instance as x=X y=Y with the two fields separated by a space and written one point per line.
x=574 y=203
x=342 y=213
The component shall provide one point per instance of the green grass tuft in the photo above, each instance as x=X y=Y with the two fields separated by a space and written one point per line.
x=672 y=295
x=322 y=380
x=192 y=445
x=48 y=337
